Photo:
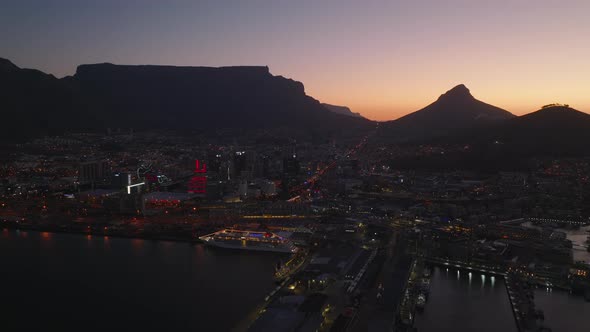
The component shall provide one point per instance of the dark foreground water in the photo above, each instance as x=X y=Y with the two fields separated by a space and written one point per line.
x=563 y=312
x=65 y=282
x=460 y=302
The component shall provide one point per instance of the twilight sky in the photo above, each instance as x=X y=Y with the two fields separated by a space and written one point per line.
x=382 y=58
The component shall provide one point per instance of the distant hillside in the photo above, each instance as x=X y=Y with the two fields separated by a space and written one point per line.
x=552 y=131
x=455 y=110
x=163 y=97
x=343 y=110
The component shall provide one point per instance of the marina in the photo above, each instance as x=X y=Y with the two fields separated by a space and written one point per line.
x=465 y=301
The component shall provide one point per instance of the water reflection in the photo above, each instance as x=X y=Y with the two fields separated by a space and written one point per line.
x=456 y=303
x=563 y=312
x=89 y=241
x=106 y=242
x=189 y=287
x=200 y=251
x=137 y=244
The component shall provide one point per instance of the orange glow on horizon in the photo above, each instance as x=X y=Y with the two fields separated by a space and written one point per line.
x=381 y=58
x=388 y=104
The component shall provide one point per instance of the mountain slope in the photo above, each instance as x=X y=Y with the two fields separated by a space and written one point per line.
x=554 y=130
x=455 y=110
x=33 y=102
x=343 y=110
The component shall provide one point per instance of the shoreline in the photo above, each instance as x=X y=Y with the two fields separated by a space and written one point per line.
x=114 y=234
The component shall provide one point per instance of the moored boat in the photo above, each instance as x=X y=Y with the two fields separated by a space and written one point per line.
x=249 y=240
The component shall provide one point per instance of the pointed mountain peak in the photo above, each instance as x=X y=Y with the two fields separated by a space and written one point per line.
x=460 y=91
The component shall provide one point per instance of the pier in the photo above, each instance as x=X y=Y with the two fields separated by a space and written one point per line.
x=519 y=291
x=494 y=270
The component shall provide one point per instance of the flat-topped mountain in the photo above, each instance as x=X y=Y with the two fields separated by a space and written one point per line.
x=165 y=97
x=455 y=110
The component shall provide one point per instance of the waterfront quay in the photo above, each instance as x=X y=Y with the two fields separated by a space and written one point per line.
x=519 y=290
x=459 y=300
x=542 y=256
x=380 y=299
x=327 y=289
x=526 y=315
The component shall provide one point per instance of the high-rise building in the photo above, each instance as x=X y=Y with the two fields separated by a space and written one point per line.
x=120 y=180
x=291 y=165
x=214 y=161
x=239 y=162
x=243 y=164
x=92 y=171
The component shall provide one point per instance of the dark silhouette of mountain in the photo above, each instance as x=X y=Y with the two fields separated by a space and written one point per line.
x=455 y=110
x=554 y=130
x=342 y=110
x=33 y=102
x=99 y=96
x=551 y=132
x=6 y=65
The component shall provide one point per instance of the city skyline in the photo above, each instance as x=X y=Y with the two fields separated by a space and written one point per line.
x=383 y=59
x=295 y=165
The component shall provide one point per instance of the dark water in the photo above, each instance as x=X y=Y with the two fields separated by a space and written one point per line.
x=458 y=302
x=70 y=282
x=563 y=312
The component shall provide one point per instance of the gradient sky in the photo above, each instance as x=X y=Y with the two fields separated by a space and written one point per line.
x=383 y=58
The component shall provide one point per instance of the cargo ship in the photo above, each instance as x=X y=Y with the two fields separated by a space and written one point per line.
x=249 y=240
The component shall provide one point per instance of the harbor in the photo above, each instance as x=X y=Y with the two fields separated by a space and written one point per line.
x=459 y=300
x=140 y=284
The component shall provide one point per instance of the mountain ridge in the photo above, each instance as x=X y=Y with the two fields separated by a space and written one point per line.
x=344 y=110
x=105 y=95
x=550 y=131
